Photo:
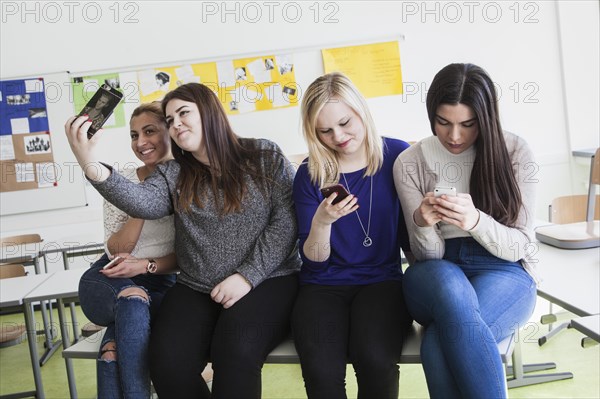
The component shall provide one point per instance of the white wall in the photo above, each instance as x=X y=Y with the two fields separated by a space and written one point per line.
x=523 y=46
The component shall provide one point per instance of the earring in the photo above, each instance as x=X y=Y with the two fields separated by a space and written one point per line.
x=182 y=152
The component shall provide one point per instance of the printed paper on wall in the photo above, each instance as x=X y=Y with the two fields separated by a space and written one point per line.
x=257 y=83
x=373 y=68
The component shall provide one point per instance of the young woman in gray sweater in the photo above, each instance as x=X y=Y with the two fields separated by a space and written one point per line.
x=235 y=241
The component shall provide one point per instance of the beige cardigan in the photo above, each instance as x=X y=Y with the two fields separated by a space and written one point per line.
x=413 y=179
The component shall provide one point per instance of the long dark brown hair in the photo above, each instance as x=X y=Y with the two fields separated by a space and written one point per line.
x=229 y=160
x=493 y=184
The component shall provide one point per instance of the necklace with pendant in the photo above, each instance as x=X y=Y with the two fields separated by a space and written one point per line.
x=367 y=242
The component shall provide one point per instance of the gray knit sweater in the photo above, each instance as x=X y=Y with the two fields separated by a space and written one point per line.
x=259 y=242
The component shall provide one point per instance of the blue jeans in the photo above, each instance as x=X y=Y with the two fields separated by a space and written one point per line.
x=467 y=302
x=128 y=325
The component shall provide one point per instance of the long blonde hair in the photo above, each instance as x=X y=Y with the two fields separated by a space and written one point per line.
x=323 y=163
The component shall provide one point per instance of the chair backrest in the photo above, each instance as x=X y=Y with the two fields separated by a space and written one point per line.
x=594 y=181
x=12 y=270
x=20 y=239
x=571 y=209
x=595 y=174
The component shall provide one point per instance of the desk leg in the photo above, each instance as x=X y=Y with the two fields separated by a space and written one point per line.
x=33 y=353
x=64 y=331
x=66 y=266
x=518 y=370
x=48 y=332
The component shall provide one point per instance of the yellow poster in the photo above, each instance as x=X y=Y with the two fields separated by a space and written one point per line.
x=373 y=68
x=156 y=82
x=257 y=83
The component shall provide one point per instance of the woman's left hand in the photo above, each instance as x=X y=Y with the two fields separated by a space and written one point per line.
x=458 y=211
x=129 y=267
x=230 y=290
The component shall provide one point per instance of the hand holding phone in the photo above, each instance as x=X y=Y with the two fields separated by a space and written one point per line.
x=100 y=107
x=337 y=188
x=113 y=263
x=449 y=191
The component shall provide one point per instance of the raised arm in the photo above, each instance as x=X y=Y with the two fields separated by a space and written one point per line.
x=84 y=149
x=148 y=200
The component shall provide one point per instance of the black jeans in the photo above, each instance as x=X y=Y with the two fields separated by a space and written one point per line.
x=365 y=325
x=192 y=329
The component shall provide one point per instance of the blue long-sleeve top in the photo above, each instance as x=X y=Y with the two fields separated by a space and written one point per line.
x=351 y=263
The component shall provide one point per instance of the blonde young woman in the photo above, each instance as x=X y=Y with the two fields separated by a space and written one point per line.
x=350 y=304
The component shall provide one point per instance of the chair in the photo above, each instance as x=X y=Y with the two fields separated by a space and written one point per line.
x=12 y=334
x=17 y=249
x=571 y=209
x=573 y=219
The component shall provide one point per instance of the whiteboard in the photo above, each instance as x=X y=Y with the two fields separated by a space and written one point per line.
x=70 y=189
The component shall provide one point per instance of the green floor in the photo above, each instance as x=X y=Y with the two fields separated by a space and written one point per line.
x=285 y=381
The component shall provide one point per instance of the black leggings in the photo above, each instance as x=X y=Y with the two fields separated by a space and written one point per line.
x=192 y=329
x=361 y=324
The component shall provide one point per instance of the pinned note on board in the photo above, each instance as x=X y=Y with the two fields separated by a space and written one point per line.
x=374 y=68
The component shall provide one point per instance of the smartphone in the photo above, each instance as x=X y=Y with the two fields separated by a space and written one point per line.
x=112 y=263
x=449 y=191
x=101 y=106
x=337 y=188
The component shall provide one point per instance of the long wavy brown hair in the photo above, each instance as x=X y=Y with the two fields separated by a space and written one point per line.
x=229 y=161
x=493 y=184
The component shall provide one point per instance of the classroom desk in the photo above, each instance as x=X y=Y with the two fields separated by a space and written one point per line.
x=61 y=286
x=584 y=153
x=12 y=294
x=72 y=247
x=570 y=278
x=68 y=247
x=589 y=325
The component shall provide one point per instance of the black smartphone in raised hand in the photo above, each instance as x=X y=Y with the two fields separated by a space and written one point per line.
x=337 y=188
x=100 y=107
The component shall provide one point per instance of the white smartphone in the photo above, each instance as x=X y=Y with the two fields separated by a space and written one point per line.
x=112 y=263
x=449 y=191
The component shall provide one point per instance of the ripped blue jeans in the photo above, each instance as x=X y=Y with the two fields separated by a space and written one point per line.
x=127 y=319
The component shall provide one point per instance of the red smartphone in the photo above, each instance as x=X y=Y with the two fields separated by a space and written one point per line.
x=337 y=188
x=112 y=263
